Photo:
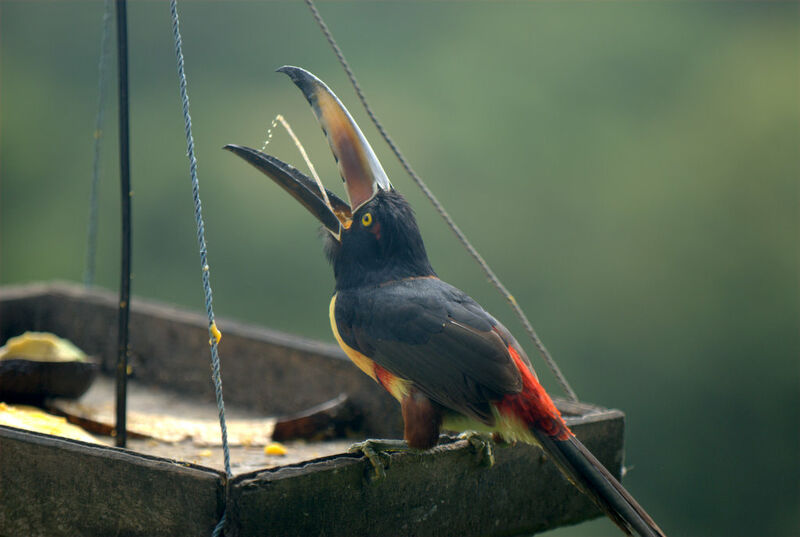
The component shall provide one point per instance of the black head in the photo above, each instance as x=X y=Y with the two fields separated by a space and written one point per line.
x=383 y=243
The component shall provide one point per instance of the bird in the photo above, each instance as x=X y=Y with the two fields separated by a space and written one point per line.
x=448 y=362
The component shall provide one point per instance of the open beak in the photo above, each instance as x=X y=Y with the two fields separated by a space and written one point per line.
x=301 y=187
x=360 y=169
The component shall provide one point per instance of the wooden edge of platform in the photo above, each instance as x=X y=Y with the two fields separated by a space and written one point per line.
x=54 y=486
x=160 y=310
x=443 y=491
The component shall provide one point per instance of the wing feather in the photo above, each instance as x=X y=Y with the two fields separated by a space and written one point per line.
x=427 y=331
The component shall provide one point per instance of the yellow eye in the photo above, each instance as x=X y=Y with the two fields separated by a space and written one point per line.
x=366 y=220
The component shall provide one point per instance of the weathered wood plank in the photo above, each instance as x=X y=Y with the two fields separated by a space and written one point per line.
x=51 y=487
x=443 y=492
x=264 y=370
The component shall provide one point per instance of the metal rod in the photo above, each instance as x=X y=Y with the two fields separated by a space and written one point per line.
x=125 y=186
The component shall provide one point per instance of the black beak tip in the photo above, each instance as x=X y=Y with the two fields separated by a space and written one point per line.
x=301 y=78
x=290 y=70
x=249 y=154
x=239 y=150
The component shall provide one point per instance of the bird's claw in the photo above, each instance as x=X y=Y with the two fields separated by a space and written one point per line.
x=376 y=452
x=482 y=445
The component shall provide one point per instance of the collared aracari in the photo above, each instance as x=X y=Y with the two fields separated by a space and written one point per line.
x=447 y=361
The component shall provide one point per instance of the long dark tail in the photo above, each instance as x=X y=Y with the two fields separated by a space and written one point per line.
x=591 y=477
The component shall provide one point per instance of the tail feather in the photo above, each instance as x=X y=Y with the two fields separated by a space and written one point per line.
x=532 y=406
x=589 y=475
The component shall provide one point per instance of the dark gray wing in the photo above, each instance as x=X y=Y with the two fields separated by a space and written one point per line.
x=427 y=331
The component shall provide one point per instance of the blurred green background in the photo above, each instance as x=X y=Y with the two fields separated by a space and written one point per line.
x=629 y=169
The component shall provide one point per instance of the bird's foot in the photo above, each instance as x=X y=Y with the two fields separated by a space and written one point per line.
x=482 y=445
x=376 y=451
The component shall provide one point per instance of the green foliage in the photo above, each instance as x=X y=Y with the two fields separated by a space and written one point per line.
x=629 y=169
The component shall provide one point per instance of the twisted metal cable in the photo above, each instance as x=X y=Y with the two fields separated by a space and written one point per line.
x=562 y=381
x=102 y=85
x=214 y=334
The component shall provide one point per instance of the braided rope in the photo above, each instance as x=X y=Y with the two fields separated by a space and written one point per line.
x=214 y=333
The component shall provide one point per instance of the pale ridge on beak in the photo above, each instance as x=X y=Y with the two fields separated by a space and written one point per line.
x=359 y=167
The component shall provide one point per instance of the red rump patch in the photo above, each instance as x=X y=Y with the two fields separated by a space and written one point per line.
x=384 y=377
x=532 y=405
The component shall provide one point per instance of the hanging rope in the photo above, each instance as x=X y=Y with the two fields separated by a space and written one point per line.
x=562 y=381
x=213 y=332
x=102 y=84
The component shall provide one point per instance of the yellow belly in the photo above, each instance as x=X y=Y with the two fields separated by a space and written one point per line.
x=398 y=387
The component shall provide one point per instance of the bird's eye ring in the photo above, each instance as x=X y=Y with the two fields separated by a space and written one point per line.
x=366 y=220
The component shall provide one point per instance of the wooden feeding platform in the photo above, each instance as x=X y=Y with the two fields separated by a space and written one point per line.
x=53 y=486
